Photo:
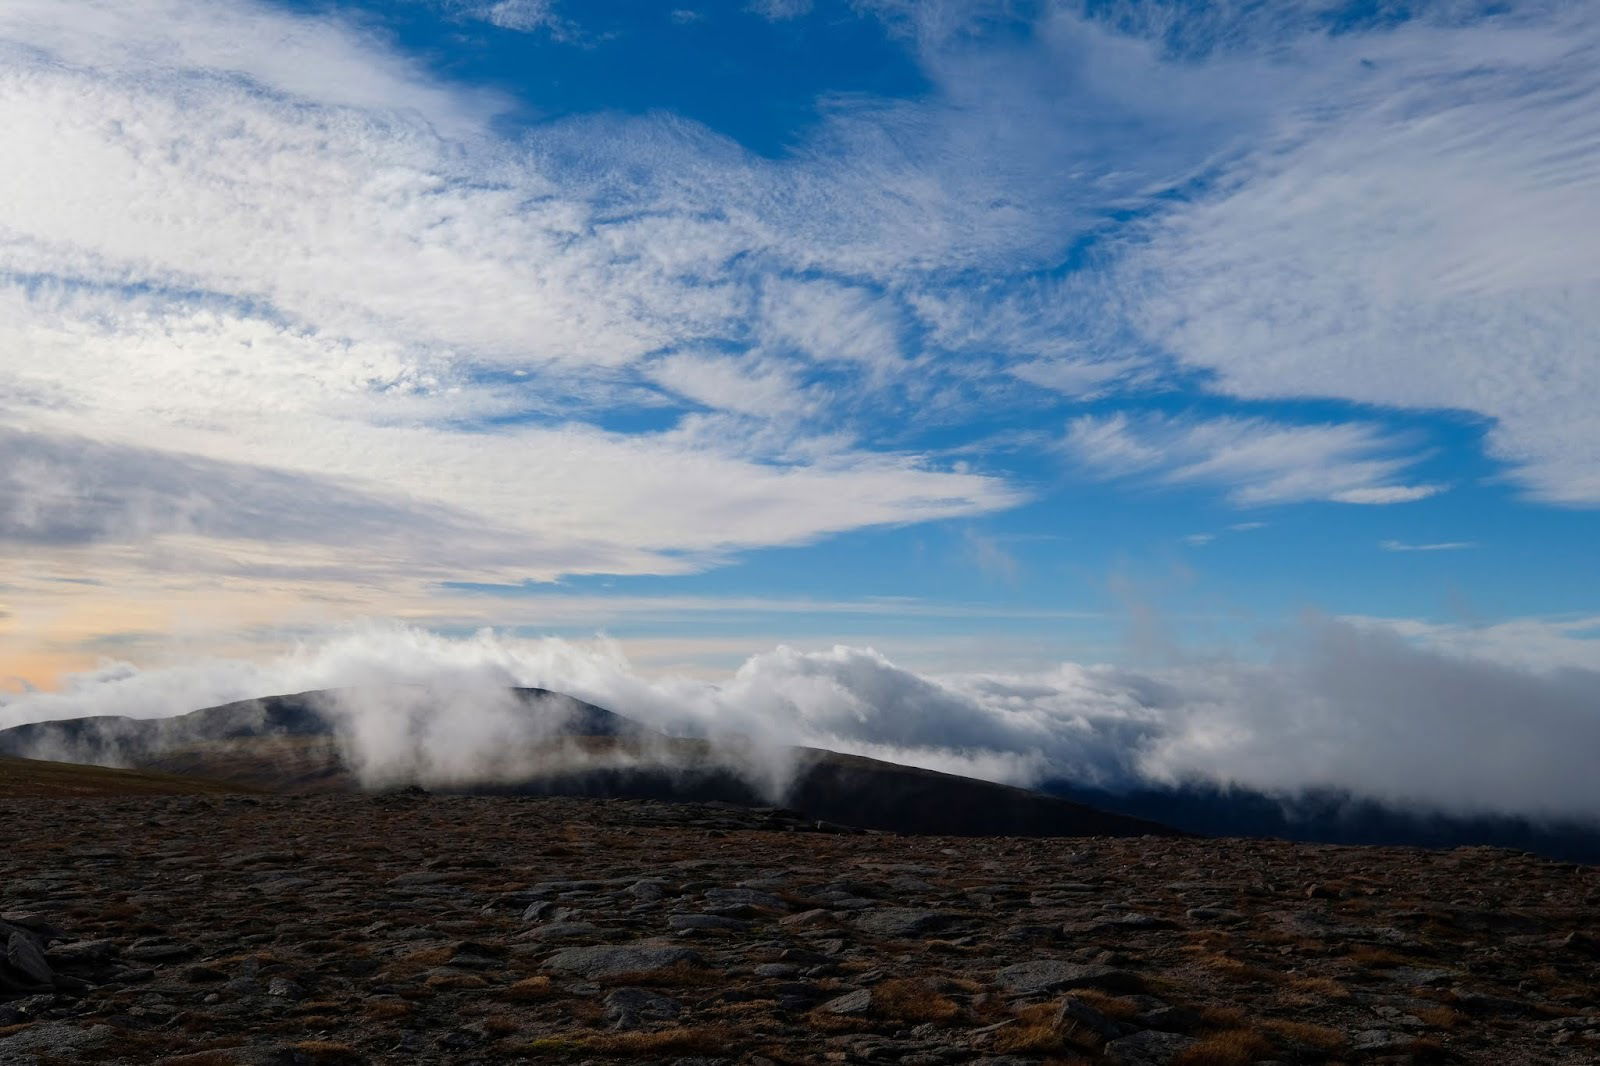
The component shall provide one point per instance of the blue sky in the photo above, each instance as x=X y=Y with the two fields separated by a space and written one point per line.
x=1056 y=310
x=1127 y=388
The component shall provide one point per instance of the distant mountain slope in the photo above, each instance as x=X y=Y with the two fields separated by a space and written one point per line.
x=291 y=744
x=1330 y=817
x=115 y=740
x=32 y=778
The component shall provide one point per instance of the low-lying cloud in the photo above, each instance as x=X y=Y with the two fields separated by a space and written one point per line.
x=1396 y=716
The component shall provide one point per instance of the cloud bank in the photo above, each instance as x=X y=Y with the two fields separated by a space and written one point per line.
x=1427 y=719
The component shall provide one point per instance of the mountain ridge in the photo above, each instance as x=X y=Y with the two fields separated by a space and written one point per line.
x=293 y=743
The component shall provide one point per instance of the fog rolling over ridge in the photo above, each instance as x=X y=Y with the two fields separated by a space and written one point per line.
x=1342 y=707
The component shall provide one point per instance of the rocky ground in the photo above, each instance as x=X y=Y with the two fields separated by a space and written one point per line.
x=407 y=928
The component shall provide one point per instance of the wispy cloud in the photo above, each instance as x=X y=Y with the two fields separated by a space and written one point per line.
x=1414 y=234
x=1440 y=546
x=1256 y=460
x=780 y=10
x=1337 y=707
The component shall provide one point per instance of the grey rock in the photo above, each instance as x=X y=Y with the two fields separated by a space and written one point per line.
x=26 y=960
x=1134 y=923
x=1051 y=975
x=1373 y=1041
x=157 y=950
x=564 y=931
x=81 y=952
x=776 y=969
x=684 y=922
x=628 y=1008
x=283 y=988
x=902 y=921
x=857 y=1002
x=1218 y=915
x=648 y=891
x=422 y=878
x=1075 y=1016
x=546 y=910
x=748 y=897
x=55 y=1039
x=593 y=962
x=1149 y=1048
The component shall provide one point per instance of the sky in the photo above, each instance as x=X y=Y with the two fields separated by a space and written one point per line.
x=978 y=340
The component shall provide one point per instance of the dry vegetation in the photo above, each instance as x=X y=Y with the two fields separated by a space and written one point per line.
x=332 y=930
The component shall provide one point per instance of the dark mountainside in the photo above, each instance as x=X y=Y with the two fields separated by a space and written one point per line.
x=289 y=744
x=1330 y=817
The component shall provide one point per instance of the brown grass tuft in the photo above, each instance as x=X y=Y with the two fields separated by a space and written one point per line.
x=707 y=1038
x=387 y=1010
x=910 y=1000
x=1317 y=989
x=327 y=1052
x=1239 y=970
x=1375 y=958
x=1117 y=1008
x=1317 y=1036
x=1439 y=1017
x=1233 y=1047
x=1036 y=1039
x=1427 y=1049
x=502 y=1024
x=528 y=990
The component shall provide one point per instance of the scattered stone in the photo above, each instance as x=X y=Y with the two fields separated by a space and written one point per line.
x=283 y=988
x=902 y=922
x=1054 y=975
x=325 y=946
x=1149 y=1048
x=157 y=950
x=26 y=961
x=564 y=931
x=706 y=922
x=595 y=962
x=856 y=1002
x=628 y=1008
x=1377 y=1041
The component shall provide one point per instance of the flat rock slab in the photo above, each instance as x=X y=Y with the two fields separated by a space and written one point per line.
x=27 y=961
x=566 y=931
x=628 y=1008
x=1054 y=975
x=857 y=1002
x=706 y=922
x=902 y=921
x=54 y=1039
x=593 y=962
x=1149 y=1048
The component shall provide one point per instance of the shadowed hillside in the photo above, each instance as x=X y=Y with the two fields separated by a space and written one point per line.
x=294 y=743
x=33 y=778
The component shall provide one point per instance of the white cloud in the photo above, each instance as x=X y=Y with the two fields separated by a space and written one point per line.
x=367 y=297
x=524 y=16
x=779 y=10
x=742 y=386
x=1415 y=235
x=830 y=322
x=1258 y=461
x=1439 y=546
x=1353 y=705
x=163 y=43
